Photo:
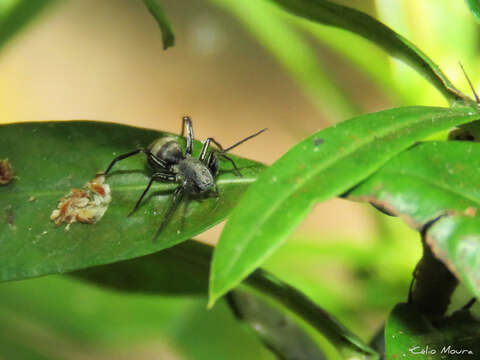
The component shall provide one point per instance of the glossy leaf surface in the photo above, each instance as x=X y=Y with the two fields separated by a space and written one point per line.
x=50 y=158
x=322 y=166
x=426 y=181
x=409 y=335
x=332 y=14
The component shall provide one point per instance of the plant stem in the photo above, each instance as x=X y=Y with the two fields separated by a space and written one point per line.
x=433 y=283
x=348 y=344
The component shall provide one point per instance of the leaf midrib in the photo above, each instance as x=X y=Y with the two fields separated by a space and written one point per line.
x=122 y=188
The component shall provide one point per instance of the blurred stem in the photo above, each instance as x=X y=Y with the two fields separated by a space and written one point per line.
x=294 y=53
x=433 y=283
x=348 y=344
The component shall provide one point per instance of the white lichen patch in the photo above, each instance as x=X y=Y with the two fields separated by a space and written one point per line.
x=87 y=205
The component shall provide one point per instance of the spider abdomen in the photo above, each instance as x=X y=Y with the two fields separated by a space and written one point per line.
x=167 y=149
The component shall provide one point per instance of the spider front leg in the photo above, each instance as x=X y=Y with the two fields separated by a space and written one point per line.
x=168 y=177
x=205 y=146
x=187 y=123
x=177 y=197
x=147 y=152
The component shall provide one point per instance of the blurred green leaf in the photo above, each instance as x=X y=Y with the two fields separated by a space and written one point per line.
x=18 y=15
x=265 y=22
x=168 y=38
x=375 y=66
x=193 y=258
x=50 y=158
x=329 y=13
x=69 y=319
x=179 y=270
x=408 y=333
x=455 y=240
x=474 y=6
x=322 y=166
x=277 y=331
x=426 y=181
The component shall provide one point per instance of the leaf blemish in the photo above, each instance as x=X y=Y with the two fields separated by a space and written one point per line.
x=471 y=211
x=318 y=141
x=87 y=205
x=10 y=215
x=6 y=172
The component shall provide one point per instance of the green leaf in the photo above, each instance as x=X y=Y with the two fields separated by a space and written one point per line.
x=322 y=166
x=155 y=274
x=277 y=331
x=328 y=13
x=50 y=158
x=179 y=270
x=426 y=181
x=15 y=17
x=408 y=333
x=455 y=240
x=94 y=323
x=474 y=6
x=157 y=12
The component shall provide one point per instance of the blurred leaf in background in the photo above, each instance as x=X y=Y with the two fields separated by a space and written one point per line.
x=339 y=80
x=16 y=14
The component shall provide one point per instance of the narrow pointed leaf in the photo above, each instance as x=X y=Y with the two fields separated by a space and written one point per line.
x=322 y=166
x=426 y=181
x=157 y=12
x=50 y=158
x=329 y=13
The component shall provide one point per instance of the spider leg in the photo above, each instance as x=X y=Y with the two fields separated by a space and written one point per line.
x=147 y=152
x=468 y=305
x=157 y=176
x=177 y=197
x=121 y=157
x=216 y=193
x=187 y=123
x=205 y=146
x=233 y=163
x=184 y=212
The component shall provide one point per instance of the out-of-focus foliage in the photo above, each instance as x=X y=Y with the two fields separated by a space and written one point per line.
x=322 y=166
x=101 y=321
x=16 y=14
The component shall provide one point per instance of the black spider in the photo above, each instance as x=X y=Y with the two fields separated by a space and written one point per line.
x=170 y=164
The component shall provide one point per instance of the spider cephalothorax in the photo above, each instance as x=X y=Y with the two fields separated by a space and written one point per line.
x=195 y=176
